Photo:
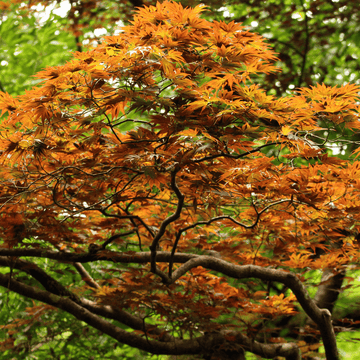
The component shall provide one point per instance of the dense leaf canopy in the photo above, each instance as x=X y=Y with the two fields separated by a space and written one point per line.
x=152 y=188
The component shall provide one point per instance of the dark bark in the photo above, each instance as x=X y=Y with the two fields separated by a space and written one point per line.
x=322 y=317
x=172 y=346
x=329 y=289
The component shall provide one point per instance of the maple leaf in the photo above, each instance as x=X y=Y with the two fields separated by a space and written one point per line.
x=157 y=141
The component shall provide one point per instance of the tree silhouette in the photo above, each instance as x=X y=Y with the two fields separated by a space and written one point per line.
x=188 y=205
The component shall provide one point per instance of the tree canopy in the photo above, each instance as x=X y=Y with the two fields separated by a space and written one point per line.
x=316 y=41
x=156 y=189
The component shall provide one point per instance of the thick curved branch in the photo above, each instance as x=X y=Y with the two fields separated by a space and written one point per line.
x=126 y=318
x=131 y=339
x=199 y=345
x=51 y=285
x=127 y=258
x=322 y=317
x=289 y=351
x=54 y=287
x=329 y=289
x=48 y=282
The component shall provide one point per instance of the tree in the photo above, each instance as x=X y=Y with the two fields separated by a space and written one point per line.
x=33 y=35
x=27 y=46
x=153 y=190
x=316 y=41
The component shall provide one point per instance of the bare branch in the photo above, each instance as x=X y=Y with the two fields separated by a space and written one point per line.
x=48 y=282
x=322 y=317
x=86 y=276
x=235 y=156
x=164 y=224
x=170 y=346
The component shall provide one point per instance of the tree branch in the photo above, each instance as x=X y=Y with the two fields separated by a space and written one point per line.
x=289 y=351
x=322 y=317
x=163 y=226
x=237 y=156
x=329 y=289
x=48 y=282
x=85 y=276
x=199 y=345
x=142 y=257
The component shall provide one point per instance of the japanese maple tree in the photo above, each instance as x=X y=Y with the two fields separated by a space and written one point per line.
x=190 y=205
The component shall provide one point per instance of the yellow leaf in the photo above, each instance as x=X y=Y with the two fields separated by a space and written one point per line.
x=24 y=144
x=110 y=51
x=168 y=68
x=285 y=130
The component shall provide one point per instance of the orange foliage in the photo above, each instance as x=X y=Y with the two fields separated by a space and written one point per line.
x=163 y=134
